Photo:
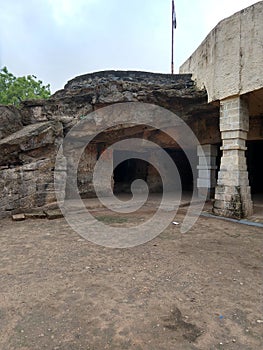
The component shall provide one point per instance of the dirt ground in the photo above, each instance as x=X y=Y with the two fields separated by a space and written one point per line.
x=199 y=290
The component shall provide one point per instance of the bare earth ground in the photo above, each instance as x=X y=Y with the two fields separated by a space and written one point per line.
x=199 y=290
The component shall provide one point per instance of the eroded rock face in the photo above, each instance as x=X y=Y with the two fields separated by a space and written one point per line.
x=30 y=137
x=27 y=161
x=89 y=92
x=30 y=143
x=10 y=120
x=174 y=92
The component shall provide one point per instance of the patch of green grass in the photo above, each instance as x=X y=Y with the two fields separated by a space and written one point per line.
x=111 y=219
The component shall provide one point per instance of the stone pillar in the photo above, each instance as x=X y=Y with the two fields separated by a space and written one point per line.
x=206 y=181
x=154 y=180
x=233 y=195
x=104 y=186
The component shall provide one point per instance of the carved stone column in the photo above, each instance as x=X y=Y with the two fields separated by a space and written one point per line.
x=233 y=195
x=206 y=181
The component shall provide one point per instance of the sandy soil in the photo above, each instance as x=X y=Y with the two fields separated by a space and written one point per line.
x=200 y=290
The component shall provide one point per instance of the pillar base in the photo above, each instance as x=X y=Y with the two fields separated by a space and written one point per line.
x=233 y=202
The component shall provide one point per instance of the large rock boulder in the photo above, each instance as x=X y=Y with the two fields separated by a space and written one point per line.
x=31 y=142
x=27 y=162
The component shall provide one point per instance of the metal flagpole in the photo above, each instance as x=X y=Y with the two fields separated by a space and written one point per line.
x=173 y=28
x=172 y=61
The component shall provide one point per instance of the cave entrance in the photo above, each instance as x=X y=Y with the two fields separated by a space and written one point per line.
x=255 y=169
x=184 y=168
x=131 y=169
x=128 y=171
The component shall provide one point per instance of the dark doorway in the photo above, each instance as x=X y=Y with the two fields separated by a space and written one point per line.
x=134 y=168
x=254 y=164
x=128 y=171
x=184 y=168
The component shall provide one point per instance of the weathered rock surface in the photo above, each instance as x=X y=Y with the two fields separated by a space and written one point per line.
x=65 y=110
x=10 y=121
x=174 y=92
x=32 y=135
x=27 y=160
x=29 y=143
x=89 y=92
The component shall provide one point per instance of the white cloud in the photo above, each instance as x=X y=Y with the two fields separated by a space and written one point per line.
x=215 y=11
x=64 y=11
x=59 y=39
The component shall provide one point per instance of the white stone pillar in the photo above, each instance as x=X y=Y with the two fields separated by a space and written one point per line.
x=206 y=181
x=233 y=195
x=105 y=187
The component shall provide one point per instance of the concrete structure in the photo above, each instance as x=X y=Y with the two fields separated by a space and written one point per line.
x=228 y=64
x=229 y=61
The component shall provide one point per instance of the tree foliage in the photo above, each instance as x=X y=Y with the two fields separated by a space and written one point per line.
x=13 y=89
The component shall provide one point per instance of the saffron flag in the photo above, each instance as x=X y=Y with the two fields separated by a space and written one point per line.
x=174 y=15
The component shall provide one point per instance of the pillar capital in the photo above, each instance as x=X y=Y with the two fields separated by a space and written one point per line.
x=233 y=114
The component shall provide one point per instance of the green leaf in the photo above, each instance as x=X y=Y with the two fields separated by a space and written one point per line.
x=13 y=89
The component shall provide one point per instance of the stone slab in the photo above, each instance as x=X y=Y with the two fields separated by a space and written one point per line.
x=54 y=214
x=18 y=217
x=35 y=215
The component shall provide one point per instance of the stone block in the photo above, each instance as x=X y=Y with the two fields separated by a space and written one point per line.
x=54 y=214
x=234 y=134
x=203 y=183
x=203 y=161
x=206 y=174
x=207 y=150
x=35 y=215
x=18 y=217
x=219 y=204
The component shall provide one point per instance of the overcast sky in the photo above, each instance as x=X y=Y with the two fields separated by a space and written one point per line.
x=57 y=40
